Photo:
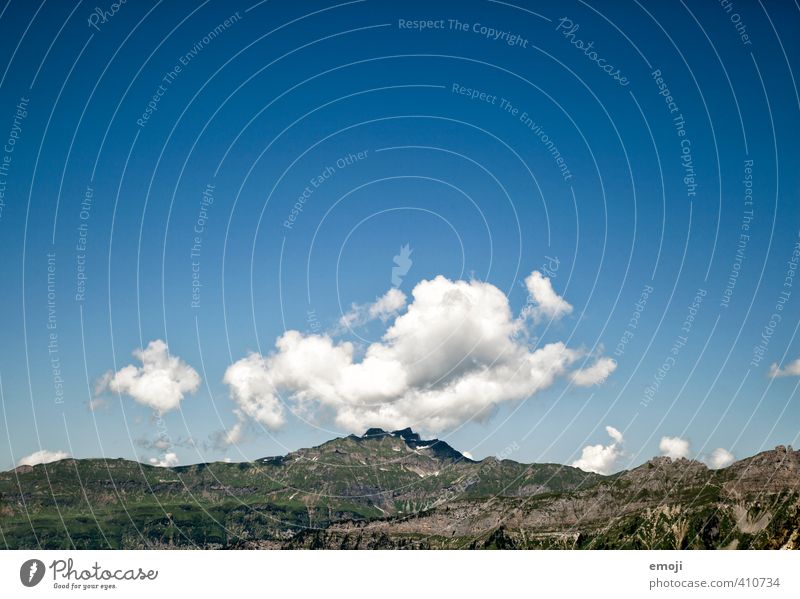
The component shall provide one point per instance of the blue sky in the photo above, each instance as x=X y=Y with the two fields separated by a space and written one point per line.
x=443 y=139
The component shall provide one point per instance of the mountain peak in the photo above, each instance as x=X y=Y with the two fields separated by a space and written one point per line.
x=407 y=434
x=374 y=432
x=437 y=448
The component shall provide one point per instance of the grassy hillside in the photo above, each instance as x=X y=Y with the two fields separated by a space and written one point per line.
x=396 y=490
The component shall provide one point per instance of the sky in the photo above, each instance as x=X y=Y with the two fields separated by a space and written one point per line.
x=554 y=232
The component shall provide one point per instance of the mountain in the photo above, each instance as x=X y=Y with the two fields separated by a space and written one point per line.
x=394 y=490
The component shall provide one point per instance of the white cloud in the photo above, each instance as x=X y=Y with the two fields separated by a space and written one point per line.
x=454 y=355
x=602 y=458
x=595 y=374
x=96 y=403
x=791 y=369
x=162 y=443
x=43 y=456
x=252 y=388
x=233 y=435
x=674 y=447
x=159 y=383
x=169 y=460
x=467 y=455
x=383 y=308
x=544 y=302
x=720 y=458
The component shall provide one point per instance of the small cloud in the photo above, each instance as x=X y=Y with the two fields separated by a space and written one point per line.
x=674 y=447
x=232 y=436
x=791 y=369
x=43 y=456
x=602 y=458
x=162 y=443
x=159 y=383
x=720 y=458
x=383 y=308
x=596 y=374
x=467 y=455
x=545 y=303
x=96 y=403
x=169 y=460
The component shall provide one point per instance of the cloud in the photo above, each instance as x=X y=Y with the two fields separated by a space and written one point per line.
x=383 y=308
x=791 y=369
x=674 y=447
x=232 y=436
x=159 y=383
x=169 y=460
x=602 y=458
x=544 y=302
x=596 y=374
x=252 y=387
x=452 y=356
x=97 y=403
x=43 y=456
x=161 y=443
x=720 y=458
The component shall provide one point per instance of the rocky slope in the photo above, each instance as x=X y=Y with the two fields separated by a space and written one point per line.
x=393 y=490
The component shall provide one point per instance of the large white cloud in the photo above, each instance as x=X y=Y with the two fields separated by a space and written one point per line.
x=791 y=369
x=674 y=447
x=720 y=458
x=43 y=456
x=602 y=459
x=544 y=302
x=159 y=383
x=454 y=355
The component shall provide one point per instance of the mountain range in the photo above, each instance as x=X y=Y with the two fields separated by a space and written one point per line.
x=396 y=490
